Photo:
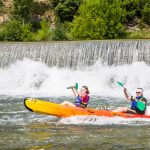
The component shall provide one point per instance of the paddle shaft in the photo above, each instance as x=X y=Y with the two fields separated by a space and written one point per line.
x=121 y=84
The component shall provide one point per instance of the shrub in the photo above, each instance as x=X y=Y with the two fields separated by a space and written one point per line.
x=146 y=13
x=58 y=34
x=16 y=31
x=65 y=9
x=45 y=32
x=22 y=10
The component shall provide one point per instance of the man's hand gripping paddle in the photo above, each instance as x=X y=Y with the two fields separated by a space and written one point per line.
x=121 y=84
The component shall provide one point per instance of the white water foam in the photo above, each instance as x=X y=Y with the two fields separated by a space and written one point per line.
x=96 y=120
x=29 y=77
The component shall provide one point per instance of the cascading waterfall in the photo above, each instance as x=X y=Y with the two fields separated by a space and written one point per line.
x=48 y=68
x=77 y=55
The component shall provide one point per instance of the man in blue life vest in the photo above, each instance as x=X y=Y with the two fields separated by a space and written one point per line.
x=138 y=103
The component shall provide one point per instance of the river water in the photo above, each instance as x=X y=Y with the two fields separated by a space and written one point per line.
x=21 y=129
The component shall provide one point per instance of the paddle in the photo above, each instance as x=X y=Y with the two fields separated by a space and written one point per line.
x=75 y=86
x=140 y=105
x=121 y=84
x=76 y=89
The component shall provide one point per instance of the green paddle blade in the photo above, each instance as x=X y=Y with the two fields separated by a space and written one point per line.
x=141 y=105
x=119 y=83
x=76 y=86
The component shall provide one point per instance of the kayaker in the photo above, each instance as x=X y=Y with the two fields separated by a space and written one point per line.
x=82 y=97
x=134 y=102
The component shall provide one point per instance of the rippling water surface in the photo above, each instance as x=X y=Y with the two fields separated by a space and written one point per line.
x=21 y=129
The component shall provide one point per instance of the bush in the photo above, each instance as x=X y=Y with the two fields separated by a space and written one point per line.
x=58 y=34
x=1 y=3
x=65 y=9
x=136 y=10
x=146 y=13
x=45 y=32
x=22 y=10
x=16 y=31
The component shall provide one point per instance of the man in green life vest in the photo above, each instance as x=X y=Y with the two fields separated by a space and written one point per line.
x=138 y=103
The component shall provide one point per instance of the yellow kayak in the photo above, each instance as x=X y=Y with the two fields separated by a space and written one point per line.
x=50 y=108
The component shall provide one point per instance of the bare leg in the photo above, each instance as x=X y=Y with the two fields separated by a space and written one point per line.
x=66 y=103
x=121 y=109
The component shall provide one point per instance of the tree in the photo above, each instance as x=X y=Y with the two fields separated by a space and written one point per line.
x=45 y=32
x=22 y=10
x=16 y=31
x=1 y=5
x=136 y=10
x=146 y=13
x=65 y=9
x=99 y=19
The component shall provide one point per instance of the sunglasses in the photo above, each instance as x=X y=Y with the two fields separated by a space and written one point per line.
x=138 y=92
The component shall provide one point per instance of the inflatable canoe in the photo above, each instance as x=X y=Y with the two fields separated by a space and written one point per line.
x=50 y=108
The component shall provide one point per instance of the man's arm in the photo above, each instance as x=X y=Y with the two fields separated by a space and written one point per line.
x=126 y=95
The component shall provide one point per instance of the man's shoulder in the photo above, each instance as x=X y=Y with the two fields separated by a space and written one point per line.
x=144 y=99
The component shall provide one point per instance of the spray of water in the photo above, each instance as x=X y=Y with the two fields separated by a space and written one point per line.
x=28 y=77
x=96 y=120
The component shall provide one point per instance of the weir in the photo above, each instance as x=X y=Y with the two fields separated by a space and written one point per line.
x=77 y=55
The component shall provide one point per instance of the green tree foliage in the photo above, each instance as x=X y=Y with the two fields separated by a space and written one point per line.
x=40 y=8
x=1 y=3
x=131 y=9
x=146 y=13
x=54 y=3
x=75 y=19
x=58 y=34
x=65 y=9
x=99 y=19
x=16 y=31
x=136 y=9
x=45 y=32
x=22 y=10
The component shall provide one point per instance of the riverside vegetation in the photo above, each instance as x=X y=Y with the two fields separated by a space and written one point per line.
x=30 y=20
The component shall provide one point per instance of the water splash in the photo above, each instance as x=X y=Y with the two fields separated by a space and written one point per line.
x=96 y=120
x=28 y=77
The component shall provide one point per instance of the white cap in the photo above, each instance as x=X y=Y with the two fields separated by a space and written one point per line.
x=139 y=90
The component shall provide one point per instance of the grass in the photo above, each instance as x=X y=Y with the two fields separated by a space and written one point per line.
x=138 y=35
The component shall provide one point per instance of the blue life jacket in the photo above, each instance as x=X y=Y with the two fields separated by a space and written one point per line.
x=134 y=103
x=79 y=103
